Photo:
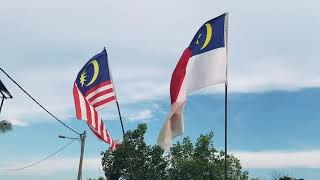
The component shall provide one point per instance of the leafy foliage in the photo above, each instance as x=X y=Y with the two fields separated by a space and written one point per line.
x=5 y=126
x=277 y=175
x=285 y=178
x=135 y=160
x=99 y=178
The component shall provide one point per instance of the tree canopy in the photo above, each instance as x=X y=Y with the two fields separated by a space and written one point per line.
x=134 y=159
x=5 y=126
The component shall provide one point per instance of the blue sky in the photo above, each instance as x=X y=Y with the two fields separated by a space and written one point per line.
x=274 y=79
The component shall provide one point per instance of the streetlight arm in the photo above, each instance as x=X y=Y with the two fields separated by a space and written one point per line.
x=82 y=139
x=64 y=137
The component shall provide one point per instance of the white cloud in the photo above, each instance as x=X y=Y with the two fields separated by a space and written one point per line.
x=279 y=159
x=51 y=166
x=51 y=89
x=142 y=115
x=262 y=159
x=18 y=122
x=141 y=84
x=54 y=91
x=145 y=40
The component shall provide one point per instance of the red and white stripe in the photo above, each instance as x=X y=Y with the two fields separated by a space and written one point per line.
x=191 y=73
x=86 y=111
x=99 y=96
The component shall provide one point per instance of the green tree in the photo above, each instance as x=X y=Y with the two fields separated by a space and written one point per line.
x=277 y=175
x=99 y=178
x=288 y=178
x=285 y=178
x=5 y=126
x=135 y=160
x=202 y=161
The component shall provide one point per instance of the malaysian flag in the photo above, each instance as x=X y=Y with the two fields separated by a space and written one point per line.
x=92 y=91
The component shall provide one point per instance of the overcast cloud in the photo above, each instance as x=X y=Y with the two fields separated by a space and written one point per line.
x=45 y=43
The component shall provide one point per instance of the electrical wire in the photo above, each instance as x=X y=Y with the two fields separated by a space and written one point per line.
x=39 y=103
x=38 y=162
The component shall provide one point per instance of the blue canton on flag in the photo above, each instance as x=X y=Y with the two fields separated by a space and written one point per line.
x=93 y=90
x=211 y=35
x=94 y=81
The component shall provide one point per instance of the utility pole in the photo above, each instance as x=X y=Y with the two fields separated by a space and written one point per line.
x=82 y=140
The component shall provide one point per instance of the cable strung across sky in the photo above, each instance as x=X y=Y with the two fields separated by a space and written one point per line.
x=39 y=103
x=38 y=162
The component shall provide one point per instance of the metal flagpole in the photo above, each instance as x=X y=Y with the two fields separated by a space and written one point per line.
x=116 y=97
x=225 y=129
x=120 y=117
x=226 y=102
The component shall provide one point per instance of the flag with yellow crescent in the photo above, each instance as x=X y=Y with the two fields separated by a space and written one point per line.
x=93 y=90
x=203 y=63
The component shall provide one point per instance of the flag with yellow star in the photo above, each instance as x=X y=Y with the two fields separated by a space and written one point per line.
x=93 y=90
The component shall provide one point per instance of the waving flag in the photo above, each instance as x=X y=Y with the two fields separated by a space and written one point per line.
x=92 y=91
x=202 y=64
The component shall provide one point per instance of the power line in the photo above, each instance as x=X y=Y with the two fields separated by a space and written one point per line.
x=38 y=102
x=38 y=162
